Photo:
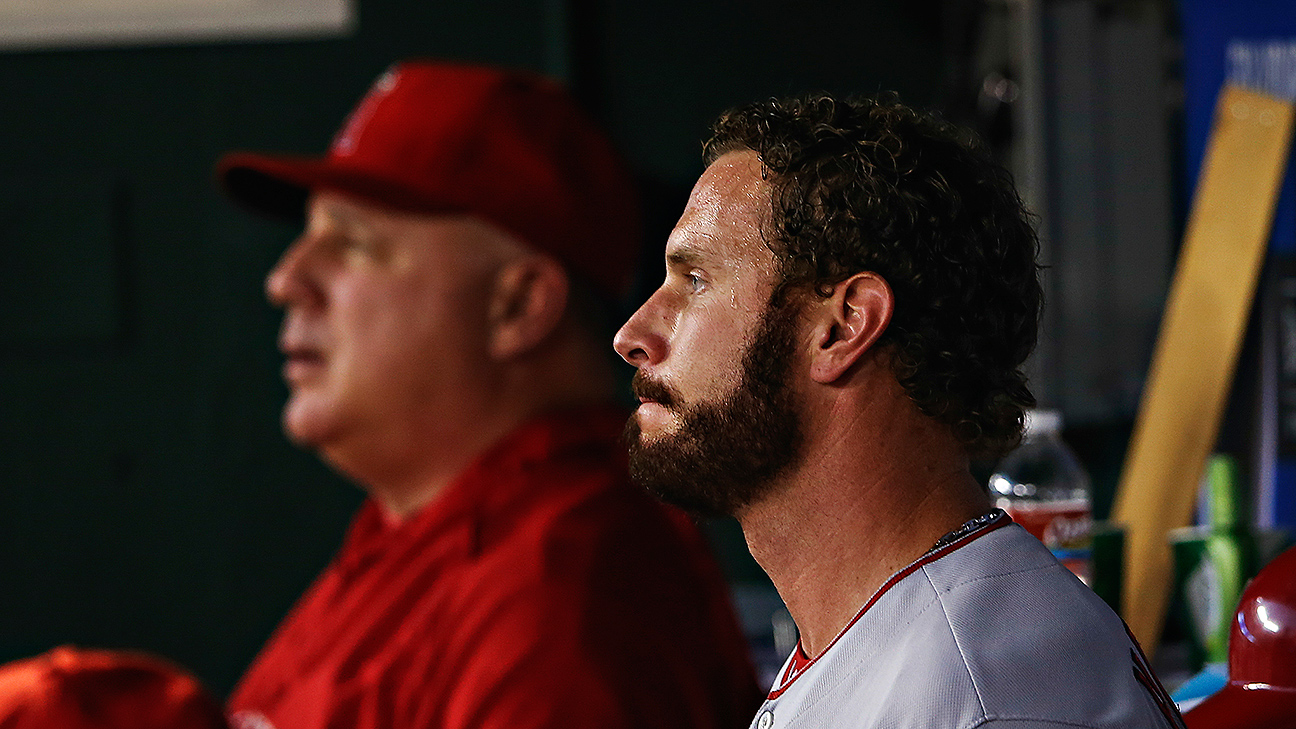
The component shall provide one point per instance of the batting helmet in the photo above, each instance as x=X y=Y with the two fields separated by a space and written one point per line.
x=1261 y=689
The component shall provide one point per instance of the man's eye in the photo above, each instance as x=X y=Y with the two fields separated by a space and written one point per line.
x=356 y=243
x=695 y=281
x=359 y=246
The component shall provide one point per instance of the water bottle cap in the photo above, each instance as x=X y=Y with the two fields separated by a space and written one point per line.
x=1043 y=422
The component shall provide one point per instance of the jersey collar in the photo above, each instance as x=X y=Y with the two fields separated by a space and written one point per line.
x=969 y=531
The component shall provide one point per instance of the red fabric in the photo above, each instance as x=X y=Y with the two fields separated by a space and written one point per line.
x=508 y=145
x=94 y=688
x=539 y=590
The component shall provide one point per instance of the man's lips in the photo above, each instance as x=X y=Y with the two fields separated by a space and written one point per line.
x=656 y=411
x=300 y=363
x=647 y=404
x=652 y=416
x=650 y=391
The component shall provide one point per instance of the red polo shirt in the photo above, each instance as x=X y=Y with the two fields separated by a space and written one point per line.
x=539 y=590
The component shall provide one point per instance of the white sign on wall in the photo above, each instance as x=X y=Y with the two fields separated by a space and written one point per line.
x=48 y=24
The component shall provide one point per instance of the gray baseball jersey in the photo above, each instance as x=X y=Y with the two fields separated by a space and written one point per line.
x=987 y=629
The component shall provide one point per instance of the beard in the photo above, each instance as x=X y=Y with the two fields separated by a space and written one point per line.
x=726 y=454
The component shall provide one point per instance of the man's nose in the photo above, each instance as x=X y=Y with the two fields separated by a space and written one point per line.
x=640 y=340
x=289 y=281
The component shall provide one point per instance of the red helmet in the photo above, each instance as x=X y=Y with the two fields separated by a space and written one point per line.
x=1261 y=690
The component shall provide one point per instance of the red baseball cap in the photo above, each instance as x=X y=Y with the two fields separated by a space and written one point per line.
x=1261 y=688
x=77 y=688
x=510 y=146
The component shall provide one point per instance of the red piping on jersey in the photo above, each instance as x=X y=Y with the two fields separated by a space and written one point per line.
x=800 y=662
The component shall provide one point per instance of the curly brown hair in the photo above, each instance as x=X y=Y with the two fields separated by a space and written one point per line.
x=873 y=185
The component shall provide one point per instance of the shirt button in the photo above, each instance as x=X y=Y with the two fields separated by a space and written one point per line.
x=765 y=721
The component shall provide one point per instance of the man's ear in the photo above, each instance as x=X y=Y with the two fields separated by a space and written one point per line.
x=848 y=323
x=527 y=304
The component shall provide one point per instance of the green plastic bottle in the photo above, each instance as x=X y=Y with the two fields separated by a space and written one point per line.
x=1227 y=561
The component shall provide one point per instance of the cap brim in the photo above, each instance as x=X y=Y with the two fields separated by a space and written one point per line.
x=1237 y=707
x=279 y=185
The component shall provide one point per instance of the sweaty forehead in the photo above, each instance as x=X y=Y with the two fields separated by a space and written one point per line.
x=728 y=206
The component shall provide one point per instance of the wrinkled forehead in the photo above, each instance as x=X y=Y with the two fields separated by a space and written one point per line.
x=728 y=207
x=733 y=183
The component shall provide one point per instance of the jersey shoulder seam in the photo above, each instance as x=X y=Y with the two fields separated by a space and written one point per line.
x=957 y=644
x=962 y=583
x=986 y=717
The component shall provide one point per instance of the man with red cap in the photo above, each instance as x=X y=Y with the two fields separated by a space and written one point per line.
x=443 y=350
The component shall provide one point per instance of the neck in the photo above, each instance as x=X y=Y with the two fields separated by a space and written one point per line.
x=407 y=470
x=875 y=491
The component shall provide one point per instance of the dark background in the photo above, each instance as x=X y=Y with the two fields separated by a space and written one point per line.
x=149 y=499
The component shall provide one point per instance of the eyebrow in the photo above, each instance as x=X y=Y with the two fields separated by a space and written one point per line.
x=687 y=255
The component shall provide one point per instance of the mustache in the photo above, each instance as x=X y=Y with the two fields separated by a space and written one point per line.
x=649 y=389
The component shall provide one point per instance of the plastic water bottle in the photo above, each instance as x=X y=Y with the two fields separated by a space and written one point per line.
x=1044 y=488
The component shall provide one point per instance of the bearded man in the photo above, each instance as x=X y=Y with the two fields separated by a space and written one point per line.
x=443 y=350
x=850 y=295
